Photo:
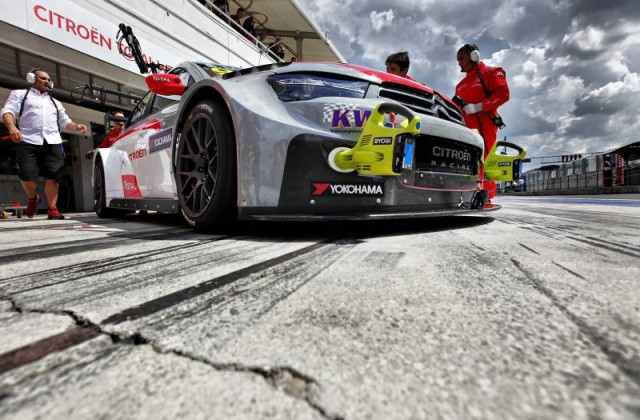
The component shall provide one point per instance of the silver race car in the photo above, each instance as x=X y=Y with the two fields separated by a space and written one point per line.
x=290 y=142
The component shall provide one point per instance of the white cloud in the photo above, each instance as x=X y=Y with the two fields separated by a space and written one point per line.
x=575 y=80
x=630 y=84
x=617 y=64
x=381 y=20
x=560 y=62
x=588 y=39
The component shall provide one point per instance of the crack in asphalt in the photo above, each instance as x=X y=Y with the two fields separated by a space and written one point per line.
x=283 y=378
x=615 y=352
x=287 y=379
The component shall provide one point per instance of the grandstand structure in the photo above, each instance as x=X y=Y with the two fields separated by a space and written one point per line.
x=615 y=171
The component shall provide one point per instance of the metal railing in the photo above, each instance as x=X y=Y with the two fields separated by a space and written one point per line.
x=240 y=29
x=92 y=97
x=586 y=182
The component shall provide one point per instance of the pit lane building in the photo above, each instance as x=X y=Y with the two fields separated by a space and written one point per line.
x=75 y=41
x=615 y=171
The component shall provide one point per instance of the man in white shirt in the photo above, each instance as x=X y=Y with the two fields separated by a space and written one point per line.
x=39 y=149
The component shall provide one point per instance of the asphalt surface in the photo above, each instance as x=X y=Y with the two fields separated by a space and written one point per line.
x=531 y=312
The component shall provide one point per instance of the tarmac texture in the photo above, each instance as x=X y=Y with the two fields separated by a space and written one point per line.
x=530 y=312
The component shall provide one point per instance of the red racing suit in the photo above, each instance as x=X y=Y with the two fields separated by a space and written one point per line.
x=494 y=93
x=111 y=138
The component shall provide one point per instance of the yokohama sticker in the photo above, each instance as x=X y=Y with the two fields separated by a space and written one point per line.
x=130 y=187
x=161 y=140
x=323 y=189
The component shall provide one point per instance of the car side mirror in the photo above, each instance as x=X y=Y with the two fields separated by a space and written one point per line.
x=165 y=84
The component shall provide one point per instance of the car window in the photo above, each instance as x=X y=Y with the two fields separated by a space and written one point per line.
x=140 y=109
x=162 y=101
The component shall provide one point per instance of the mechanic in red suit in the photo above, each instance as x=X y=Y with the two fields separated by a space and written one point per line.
x=480 y=93
x=118 y=119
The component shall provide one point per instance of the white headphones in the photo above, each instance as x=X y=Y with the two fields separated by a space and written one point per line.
x=474 y=55
x=31 y=78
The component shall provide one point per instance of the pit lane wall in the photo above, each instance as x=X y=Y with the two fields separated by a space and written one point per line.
x=169 y=31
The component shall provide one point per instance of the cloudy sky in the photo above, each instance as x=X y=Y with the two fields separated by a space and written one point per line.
x=573 y=65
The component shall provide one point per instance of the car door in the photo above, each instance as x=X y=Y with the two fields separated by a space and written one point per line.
x=129 y=149
x=158 y=165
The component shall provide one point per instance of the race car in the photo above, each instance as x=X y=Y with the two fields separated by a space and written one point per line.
x=304 y=141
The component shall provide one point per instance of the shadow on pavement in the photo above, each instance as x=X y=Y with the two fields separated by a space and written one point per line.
x=285 y=231
x=300 y=231
x=305 y=231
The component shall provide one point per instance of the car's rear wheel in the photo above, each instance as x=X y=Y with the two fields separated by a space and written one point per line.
x=100 y=193
x=205 y=167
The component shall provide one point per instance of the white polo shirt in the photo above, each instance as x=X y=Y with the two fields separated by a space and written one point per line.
x=38 y=121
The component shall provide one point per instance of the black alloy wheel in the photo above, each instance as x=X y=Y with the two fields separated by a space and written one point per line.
x=205 y=167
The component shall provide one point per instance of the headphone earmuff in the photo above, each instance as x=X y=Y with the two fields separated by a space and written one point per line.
x=31 y=78
x=474 y=55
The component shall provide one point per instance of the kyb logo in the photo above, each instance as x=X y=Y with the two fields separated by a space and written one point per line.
x=325 y=188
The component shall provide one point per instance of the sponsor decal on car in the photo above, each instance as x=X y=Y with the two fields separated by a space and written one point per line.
x=450 y=165
x=444 y=152
x=130 y=187
x=137 y=154
x=447 y=157
x=382 y=141
x=161 y=140
x=321 y=189
x=345 y=117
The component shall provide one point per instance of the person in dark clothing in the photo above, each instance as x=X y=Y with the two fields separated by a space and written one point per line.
x=223 y=5
x=245 y=20
x=398 y=64
x=276 y=48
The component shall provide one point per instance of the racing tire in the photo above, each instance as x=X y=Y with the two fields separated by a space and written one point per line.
x=205 y=167
x=100 y=195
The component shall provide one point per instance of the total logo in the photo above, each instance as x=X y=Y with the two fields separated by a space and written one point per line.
x=327 y=189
